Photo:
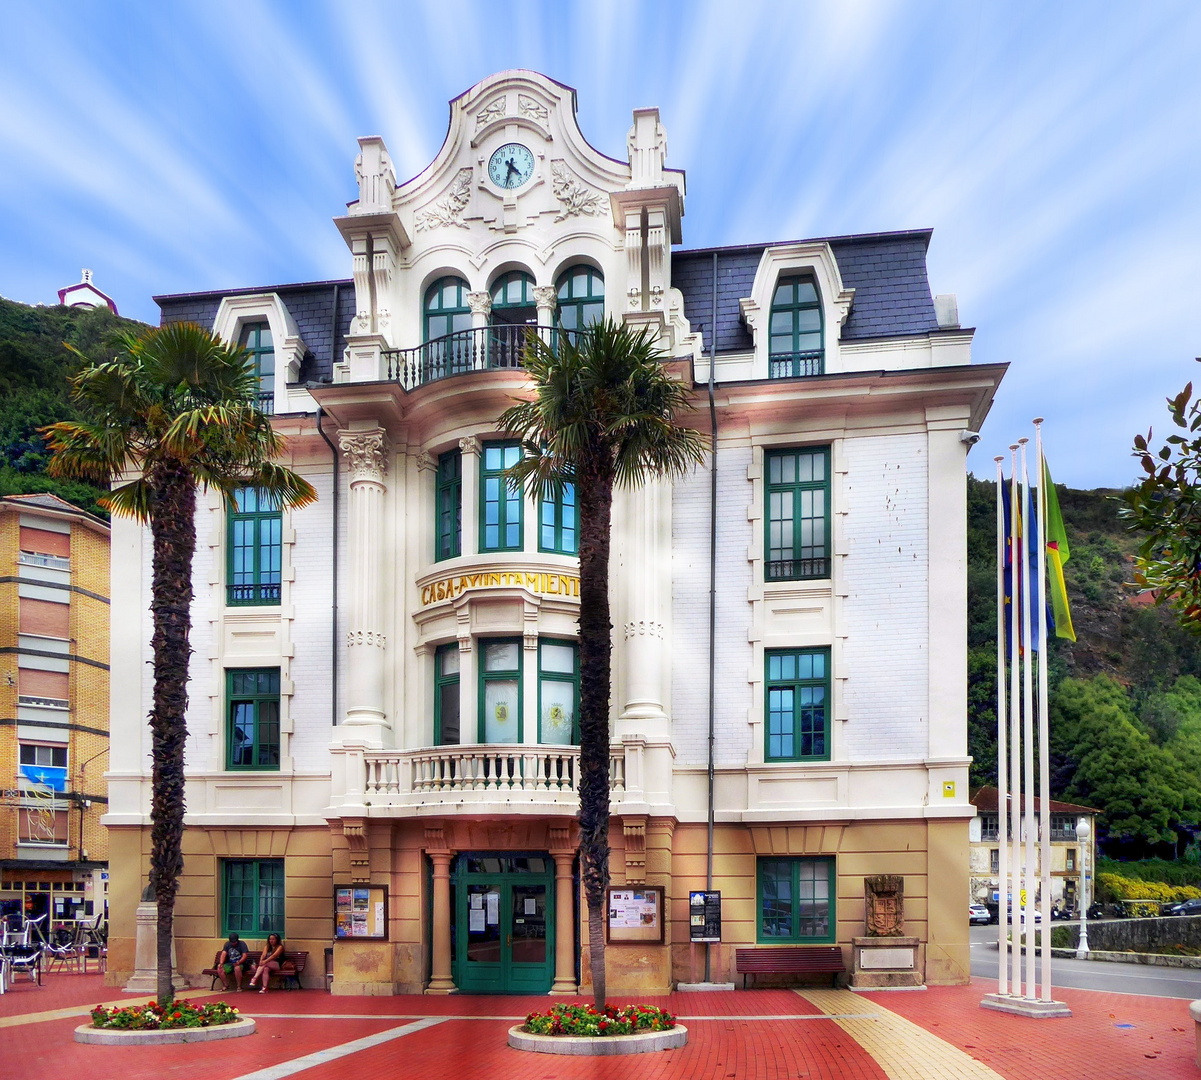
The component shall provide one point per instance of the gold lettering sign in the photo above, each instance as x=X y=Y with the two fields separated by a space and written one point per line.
x=544 y=584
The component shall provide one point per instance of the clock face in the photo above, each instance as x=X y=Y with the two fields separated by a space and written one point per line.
x=511 y=166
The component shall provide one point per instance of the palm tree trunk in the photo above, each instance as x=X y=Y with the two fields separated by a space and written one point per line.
x=173 y=527
x=596 y=503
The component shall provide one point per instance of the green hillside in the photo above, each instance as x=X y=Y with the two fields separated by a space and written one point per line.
x=1125 y=696
x=35 y=367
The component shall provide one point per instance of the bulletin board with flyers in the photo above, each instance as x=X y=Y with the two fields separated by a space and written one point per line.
x=635 y=914
x=361 y=911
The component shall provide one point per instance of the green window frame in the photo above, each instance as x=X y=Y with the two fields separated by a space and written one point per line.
x=513 y=299
x=796 y=532
x=255 y=548
x=558 y=692
x=558 y=519
x=795 y=334
x=500 y=690
x=501 y=503
x=581 y=296
x=445 y=310
x=447 y=716
x=258 y=343
x=796 y=705
x=448 y=500
x=797 y=899
x=253 y=734
x=252 y=897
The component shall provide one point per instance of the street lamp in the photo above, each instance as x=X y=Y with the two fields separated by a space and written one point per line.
x=1082 y=837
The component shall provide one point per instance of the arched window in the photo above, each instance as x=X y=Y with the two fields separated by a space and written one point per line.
x=446 y=310
x=796 y=329
x=513 y=300
x=581 y=293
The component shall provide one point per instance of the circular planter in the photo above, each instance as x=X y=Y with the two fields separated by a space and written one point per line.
x=85 y=1033
x=645 y=1042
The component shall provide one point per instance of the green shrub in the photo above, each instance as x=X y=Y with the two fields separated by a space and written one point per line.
x=153 y=1017
x=1111 y=887
x=586 y=1020
x=1170 y=871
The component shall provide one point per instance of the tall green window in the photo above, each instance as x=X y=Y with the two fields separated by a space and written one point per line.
x=500 y=691
x=446 y=310
x=796 y=900
x=446 y=695
x=257 y=341
x=797 y=724
x=796 y=330
x=558 y=693
x=581 y=294
x=500 y=501
x=557 y=520
x=253 y=735
x=797 y=532
x=513 y=301
x=448 y=500
x=255 y=549
x=253 y=897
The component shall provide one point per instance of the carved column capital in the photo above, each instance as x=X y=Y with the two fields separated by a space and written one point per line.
x=366 y=455
x=480 y=303
x=546 y=297
x=470 y=445
x=426 y=463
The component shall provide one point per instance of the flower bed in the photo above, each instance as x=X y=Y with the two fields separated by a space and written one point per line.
x=153 y=1017
x=585 y=1020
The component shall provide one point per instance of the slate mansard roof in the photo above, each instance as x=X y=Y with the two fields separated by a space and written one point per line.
x=886 y=270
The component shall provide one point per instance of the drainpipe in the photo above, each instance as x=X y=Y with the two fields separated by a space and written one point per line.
x=712 y=587
x=333 y=359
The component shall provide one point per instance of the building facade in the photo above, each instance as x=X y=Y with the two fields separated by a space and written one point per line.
x=1070 y=860
x=54 y=625
x=382 y=749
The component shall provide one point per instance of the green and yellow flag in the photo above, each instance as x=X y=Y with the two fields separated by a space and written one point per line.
x=1058 y=553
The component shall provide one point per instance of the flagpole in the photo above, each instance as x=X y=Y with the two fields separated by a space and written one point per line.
x=1028 y=729
x=1044 y=746
x=1015 y=737
x=1002 y=750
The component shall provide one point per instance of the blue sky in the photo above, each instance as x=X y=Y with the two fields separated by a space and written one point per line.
x=1054 y=149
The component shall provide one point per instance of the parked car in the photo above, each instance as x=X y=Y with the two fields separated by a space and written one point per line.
x=978 y=914
x=1021 y=916
x=1189 y=907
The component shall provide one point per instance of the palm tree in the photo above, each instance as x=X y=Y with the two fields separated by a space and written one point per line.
x=603 y=413
x=175 y=413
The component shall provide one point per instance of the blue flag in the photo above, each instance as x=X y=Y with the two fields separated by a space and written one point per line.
x=51 y=776
x=1027 y=570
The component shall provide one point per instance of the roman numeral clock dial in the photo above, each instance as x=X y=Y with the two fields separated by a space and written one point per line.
x=511 y=166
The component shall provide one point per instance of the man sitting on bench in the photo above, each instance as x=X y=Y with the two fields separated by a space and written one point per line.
x=232 y=961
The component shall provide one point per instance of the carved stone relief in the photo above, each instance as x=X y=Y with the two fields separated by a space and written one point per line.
x=531 y=109
x=884 y=905
x=494 y=110
x=366 y=454
x=575 y=198
x=450 y=208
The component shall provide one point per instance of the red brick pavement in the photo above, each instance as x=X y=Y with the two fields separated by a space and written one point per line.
x=1159 y=1044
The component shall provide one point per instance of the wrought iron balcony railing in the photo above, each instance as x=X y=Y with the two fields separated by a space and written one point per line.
x=265 y=402
x=482 y=348
x=795 y=365
x=796 y=569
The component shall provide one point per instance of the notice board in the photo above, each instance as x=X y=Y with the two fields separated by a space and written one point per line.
x=361 y=911
x=635 y=914
x=704 y=916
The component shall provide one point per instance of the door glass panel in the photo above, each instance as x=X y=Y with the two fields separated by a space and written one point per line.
x=500 y=711
x=483 y=924
x=529 y=924
x=558 y=712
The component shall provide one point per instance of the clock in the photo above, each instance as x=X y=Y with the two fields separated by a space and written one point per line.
x=511 y=165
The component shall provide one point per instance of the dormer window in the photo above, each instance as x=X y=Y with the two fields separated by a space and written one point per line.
x=258 y=343
x=795 y=347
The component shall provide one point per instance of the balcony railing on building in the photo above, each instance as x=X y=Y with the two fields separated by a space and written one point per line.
x=545 y=777
x=795 y=365
x=482 y=348
x=795 y=569
x=265 y=402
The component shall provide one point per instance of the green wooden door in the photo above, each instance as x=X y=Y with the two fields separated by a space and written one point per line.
x=505 y=923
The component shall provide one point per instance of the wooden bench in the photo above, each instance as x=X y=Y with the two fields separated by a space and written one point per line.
x=291 y=969
x=214 y=972
x=789 y=960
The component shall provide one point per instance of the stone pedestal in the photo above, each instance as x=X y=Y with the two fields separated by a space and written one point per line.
x=1033 y=1007
x=145 y=975
x=882 y=963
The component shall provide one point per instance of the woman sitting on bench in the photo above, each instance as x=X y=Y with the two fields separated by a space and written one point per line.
x=269 y=962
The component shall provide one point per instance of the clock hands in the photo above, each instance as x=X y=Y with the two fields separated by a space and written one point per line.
x=511 y=169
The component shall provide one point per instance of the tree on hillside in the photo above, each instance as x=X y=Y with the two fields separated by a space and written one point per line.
x=1103 y=758
x=176 y=413
x=1166 y=508
x=603 y=413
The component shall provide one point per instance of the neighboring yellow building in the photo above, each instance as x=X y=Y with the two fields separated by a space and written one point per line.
x=54 y=632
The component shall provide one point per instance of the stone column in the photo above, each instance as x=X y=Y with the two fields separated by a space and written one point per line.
x=643 y=627
x=481 y=307
x=565 y=952
x=440 y=980
x=547 y=299
x=470 y=449
x=366 y=454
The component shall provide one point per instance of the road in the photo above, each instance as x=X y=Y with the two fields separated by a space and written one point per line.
x=1093 y=974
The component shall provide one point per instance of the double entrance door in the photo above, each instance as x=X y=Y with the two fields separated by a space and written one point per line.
x=504 y=939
